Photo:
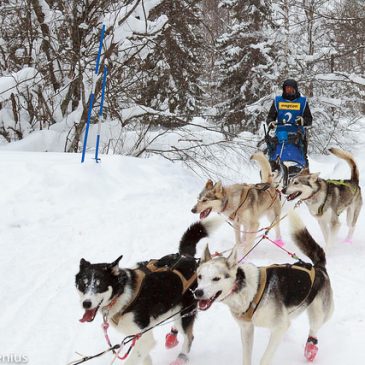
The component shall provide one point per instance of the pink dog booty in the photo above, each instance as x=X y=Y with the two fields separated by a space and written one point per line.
x=279 y=242
x=181 y=360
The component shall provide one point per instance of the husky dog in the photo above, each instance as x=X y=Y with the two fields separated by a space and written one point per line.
x=136 y=299
x=270 y=296
x=243 y=204
x=327 y=199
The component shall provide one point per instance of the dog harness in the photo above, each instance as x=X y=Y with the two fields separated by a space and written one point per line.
x=243 y=197
x=149 y=268
x=344 y=183
x=354 y=190
x=250 y=311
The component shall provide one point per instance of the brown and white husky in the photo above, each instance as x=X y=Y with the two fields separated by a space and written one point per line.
x=243 y=204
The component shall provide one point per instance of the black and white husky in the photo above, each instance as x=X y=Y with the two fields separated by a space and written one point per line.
x=270 y=296
x=136 y=299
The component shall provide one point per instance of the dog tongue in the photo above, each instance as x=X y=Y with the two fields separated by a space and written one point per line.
x=205 y=213
x=89 y=315
x=292 y=196
x=204 y=304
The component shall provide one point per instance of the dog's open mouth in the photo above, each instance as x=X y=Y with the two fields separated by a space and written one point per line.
x=205 y=213
x=205 y=304
x=89 y=314
x=294 y=195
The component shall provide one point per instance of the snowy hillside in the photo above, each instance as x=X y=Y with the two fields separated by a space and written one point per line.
x=55 y=211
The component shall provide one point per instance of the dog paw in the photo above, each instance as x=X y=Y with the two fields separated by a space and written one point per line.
x=179 y=361
x=310 y=351
x=171 y=339
x=279 y=242
x=347 y=241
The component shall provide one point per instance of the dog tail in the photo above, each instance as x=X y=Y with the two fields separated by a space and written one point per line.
x=306 y=243
x=196 y=232
x=266 y=172
x=347 y=156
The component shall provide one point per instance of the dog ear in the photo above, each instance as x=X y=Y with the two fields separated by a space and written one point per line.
x=232 y=258
x=114 y=266
x=314 y=176
x=206 y=255
x=84 y=263
x=218 y=187
x=304 y=171
x=209 y=185
x=240 y=279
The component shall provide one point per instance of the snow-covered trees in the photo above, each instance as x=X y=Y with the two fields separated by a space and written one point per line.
x=245 y=64
x=152 y=49
x=173 y=69
x=170 y=61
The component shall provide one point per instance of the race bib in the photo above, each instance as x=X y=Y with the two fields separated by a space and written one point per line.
x=289 y=106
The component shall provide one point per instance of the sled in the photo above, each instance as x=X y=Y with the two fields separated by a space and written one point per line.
x=286 y=147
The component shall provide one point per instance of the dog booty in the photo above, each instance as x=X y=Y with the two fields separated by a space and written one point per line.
x=181 y=360
x=279 y=242
x=311 y=349
x=171 y=339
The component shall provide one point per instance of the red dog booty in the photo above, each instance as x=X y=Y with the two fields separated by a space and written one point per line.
x=311 y=349
x=171 y=339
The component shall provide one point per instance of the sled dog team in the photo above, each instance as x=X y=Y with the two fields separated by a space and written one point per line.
x=134 y=300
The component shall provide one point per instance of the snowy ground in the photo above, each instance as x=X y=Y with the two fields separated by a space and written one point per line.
x=55 y=211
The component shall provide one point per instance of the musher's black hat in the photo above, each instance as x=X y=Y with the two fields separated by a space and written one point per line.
x=292 y=83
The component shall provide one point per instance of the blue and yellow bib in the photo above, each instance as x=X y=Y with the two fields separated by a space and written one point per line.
x=288 y=110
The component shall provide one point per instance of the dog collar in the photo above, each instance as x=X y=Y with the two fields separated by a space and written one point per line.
x=225 y=205
x=321 y=207
x=311 y=196
x=111 y=304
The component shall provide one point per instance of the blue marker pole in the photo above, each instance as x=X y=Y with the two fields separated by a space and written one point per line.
x=100 y=114
x=91 y=99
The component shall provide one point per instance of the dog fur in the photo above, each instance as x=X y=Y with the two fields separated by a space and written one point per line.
x=327 y=199
x=107 y=288
x=243 y=204
x=287 y=292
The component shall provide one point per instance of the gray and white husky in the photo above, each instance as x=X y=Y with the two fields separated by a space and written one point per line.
x=270 y=296
x=327 y=199
x=136 y=299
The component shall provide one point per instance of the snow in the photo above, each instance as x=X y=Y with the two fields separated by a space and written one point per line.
x=55 y=210
x=17 y=82
x=356 y=79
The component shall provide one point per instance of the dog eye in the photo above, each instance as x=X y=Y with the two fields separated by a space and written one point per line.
x=199 y=277
x=204 y=200
x=216 y=278
x=295 y=182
